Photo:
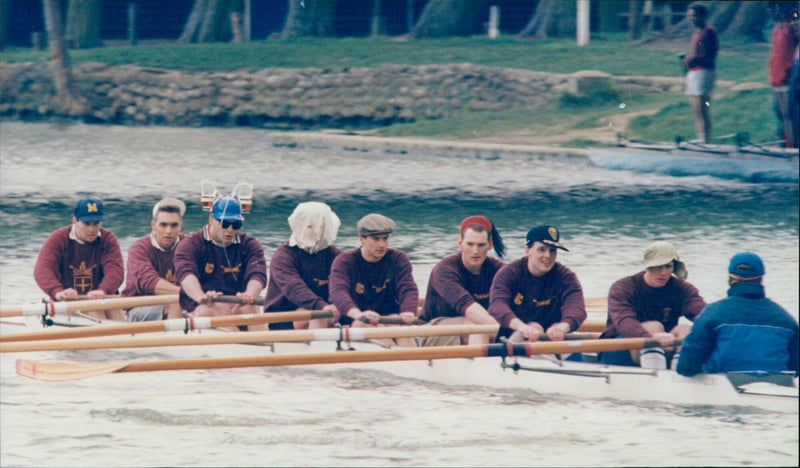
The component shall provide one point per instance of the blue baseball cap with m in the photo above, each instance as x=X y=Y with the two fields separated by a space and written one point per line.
x=89 y=210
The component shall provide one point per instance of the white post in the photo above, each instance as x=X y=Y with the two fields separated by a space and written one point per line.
x=247 y=19
x=583 y=23
x=494 y=21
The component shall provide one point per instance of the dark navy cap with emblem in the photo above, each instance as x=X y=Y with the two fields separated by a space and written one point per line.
x=547 y=235
x=89 y=210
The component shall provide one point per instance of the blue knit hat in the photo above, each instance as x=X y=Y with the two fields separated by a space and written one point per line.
x=746 y=266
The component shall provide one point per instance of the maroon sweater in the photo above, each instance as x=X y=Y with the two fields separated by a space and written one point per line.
x=631 y=301
x=146 y=265
x=227 y=270
x=298 y=279
x=386 y=286
x=64 y=263
x=452 y=288
x=555 y=297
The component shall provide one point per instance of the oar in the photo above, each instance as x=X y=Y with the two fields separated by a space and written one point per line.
x=65 y=307
x=596 y=304
x=60 y=371
x=187 y=324
x=594 y=327
x=280 y=336
x=236 y=300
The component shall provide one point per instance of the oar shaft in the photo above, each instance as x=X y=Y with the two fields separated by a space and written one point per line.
x=65 y=307
x=193 y=323
x=404 y=354
x=283 y=336
x=593 y=327
x=236 y=300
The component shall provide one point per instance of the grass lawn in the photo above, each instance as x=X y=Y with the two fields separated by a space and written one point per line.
x=739 y=62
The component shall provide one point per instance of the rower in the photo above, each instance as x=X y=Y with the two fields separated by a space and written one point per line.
x=219 y=260
x=83 y=258
x=150 y=262
x=374 y=280
x=745 y=331
x=650 y=304
x=458 y=288
x=299 y=269
x=536 y=295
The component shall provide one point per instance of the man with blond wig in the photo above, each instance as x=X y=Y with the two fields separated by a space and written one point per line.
x=299 y=269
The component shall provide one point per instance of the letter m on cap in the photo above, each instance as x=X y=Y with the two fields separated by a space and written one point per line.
x=91 y=207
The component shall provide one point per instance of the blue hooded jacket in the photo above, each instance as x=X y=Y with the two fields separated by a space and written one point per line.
x=743 y=332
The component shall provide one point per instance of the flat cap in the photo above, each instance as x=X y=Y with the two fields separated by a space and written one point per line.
x=374 y=224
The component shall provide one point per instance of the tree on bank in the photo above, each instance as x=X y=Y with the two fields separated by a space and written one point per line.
x=66 y=95
x=312 y=18
x=552 y=18
x=83 y=24
x=445 y=18
x=745 y=20
x=212 y=21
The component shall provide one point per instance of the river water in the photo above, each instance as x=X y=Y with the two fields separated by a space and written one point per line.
x=297 y=416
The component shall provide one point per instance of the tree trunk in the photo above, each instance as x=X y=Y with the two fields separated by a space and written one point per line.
x=193 y=22
x=635 y=20
x=59 y=63
x=443 y=18
x=746 y=20
x=309 y=18
x=552 y=18
x=210 y=21
x=83 y=24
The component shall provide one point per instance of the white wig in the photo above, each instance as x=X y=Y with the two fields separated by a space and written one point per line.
x=314 y=226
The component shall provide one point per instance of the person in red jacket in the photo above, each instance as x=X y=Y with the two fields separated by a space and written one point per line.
x=82 y=259
x=781 y=58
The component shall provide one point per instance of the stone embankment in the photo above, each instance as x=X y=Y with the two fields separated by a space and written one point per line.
x=291 y=99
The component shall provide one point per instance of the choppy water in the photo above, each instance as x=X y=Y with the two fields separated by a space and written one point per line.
x=297 y=416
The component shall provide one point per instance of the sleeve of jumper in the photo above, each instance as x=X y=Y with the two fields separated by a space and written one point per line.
x=697 y=346
x=113 y=265
x=447 y=283
x=184 y=260
x=284 y=274
x=573 y=305
x=500 y=296
x=340 y=283
x=46 y=271
x=141 y=273
x=255 y=262
x=693 y=304
x=407 y=291
x=621 y=311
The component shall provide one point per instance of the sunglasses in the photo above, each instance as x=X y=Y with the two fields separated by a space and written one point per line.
x=234 y=224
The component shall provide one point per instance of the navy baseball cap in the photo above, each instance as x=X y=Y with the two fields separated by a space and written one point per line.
x=89 y=210
x=547 y=235
x=746 y=266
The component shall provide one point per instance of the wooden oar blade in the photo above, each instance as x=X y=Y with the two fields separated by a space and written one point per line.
x=63 y=371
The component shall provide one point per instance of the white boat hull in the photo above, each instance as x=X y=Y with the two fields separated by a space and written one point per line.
x=541 y=374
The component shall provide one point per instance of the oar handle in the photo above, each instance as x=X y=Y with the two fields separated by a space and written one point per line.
x=237 y=300
x=392 y=320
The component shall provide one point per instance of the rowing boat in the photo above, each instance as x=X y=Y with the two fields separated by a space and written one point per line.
x=542 y=374
x=743 y=161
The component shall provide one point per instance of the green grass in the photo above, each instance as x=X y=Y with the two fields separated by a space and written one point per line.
x=610 y=53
